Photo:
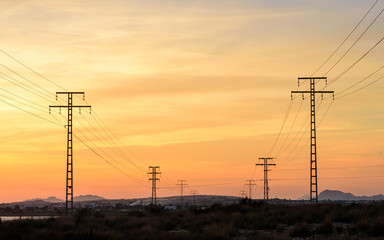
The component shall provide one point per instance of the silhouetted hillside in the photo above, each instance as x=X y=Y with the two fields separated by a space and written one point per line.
x=49 y=200
x=84 y=198
x=334 y=195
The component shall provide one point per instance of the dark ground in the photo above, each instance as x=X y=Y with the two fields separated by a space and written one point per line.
x=245 y=220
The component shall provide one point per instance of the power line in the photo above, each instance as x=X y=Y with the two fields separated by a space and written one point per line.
x=31 y=113
x=361 y=35
x=32 y=70
x=306 y=144
x=298 y=141
x=356 y=62
x=40 y=75
x=290 y=130
x=306 y=121
x=25 y=104
x=103 y=139
x=20 y=84
x=105 y=153
x=134 y=178
x=370 y=75
x=358 y=24
x=9 y=69
x=166 y=180
x=282 y=126
x=335 y=168
x=106 y=129
x=326 y=112
x=326 y=178
x=17 y=95
x=286 y=160
x=347 y=94
x=118 y=169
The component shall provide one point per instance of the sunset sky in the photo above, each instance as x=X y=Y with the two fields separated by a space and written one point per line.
x=199 y=88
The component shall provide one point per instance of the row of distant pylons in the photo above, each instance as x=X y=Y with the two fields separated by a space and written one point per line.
x=313 y=192
x=181 y=183
x=153 y=170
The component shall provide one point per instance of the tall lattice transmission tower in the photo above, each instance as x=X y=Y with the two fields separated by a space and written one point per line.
x=313 y=192
x=69 y=175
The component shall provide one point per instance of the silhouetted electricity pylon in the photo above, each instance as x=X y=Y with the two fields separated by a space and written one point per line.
x=154 y=179
x=313 y=193
x=181 y=184
x=266 y=164
x=250 y=183
x=69 y=179
x=193 y=193
x=243 y=194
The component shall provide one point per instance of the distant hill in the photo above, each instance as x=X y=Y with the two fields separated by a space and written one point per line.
x=32 y=202
x=334 y=195
x=84 y=198
x=49 y=200
x=81 y=198
x=53 y=200
x=206 y=200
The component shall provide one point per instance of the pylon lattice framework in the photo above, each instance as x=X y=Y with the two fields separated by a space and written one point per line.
x=266 y=164
x=69 y=175
x=243 y=194
x=313 y=192
x=181 y=184
x=250 y=183
x=194 y=193
x=153 y=172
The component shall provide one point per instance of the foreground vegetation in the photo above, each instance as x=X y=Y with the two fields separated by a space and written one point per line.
x=245 y=220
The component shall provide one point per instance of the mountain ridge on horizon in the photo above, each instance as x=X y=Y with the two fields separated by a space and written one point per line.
x=336 y=195
x=80 y=198
x=330 y=195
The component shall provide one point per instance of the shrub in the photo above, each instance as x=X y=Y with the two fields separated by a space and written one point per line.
x=363 y=226
x=300 y=230
x=378 y=228
x=325 y=228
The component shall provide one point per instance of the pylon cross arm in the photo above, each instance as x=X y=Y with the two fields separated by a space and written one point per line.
x=79 y=106
x=306 y=78
x=312 y=91
x=70 y=92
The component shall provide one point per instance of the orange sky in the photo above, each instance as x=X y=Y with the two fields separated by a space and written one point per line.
x=199 y=88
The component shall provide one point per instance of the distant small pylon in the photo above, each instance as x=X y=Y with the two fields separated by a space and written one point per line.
x=194 y=193
x=250 y=183
x=243 y=194
x=154 y=179
x=181 y=184
x=266 y=170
